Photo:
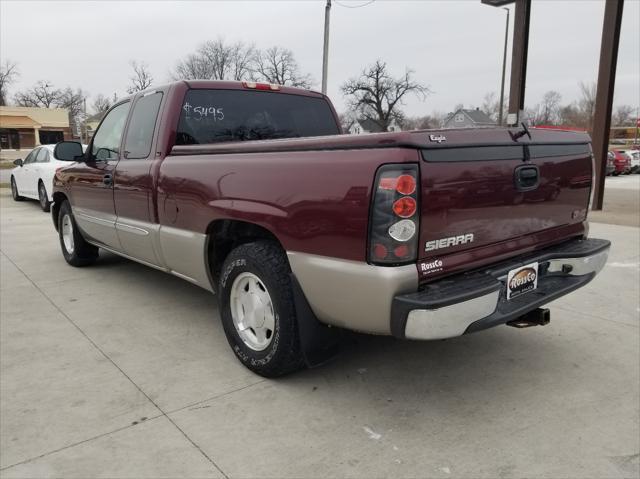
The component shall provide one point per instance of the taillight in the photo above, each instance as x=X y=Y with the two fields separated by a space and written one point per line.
x=393 y=229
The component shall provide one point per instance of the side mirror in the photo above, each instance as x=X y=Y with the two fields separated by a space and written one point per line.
x=17 y=162
x=68 y=151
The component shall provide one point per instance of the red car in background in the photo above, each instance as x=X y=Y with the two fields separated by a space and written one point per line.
x=621 y=163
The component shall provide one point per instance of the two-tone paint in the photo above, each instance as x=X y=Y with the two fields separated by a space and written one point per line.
x=313 y=196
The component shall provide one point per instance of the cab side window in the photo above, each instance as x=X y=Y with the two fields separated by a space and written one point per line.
x=142 y=125
x=43 y=156
x=106 y=141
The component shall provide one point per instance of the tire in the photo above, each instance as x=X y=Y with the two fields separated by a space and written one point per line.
x=257 y=275
x=45 y=204
x=14 y=191
x=76 y=251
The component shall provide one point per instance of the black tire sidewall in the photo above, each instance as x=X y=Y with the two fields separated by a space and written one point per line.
x=65 y=209
x=15 y=194
x=83 y=253
x=274 y=359
x=46 y=205
x=229 y=275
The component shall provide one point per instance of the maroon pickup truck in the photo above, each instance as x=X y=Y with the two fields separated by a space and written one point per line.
x=249 y=190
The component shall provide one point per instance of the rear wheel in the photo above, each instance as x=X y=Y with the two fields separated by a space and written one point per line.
x=14 y=191
x=257 y=309
x=45 y=204
x=76 y=251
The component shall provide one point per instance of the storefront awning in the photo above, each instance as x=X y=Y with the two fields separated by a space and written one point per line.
x=10 y=121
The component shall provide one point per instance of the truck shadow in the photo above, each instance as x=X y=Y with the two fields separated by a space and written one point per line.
x=383 y=371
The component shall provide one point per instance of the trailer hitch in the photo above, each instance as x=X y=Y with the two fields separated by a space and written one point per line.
x=537 y=317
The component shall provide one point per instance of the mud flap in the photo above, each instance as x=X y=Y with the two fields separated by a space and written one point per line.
x=319 y=342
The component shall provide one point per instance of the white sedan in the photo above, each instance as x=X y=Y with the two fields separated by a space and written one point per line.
x=33 y=176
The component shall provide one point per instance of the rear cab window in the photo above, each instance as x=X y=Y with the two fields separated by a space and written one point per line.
x=214 y=116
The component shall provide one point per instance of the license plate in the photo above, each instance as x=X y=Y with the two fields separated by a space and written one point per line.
x=522 y=280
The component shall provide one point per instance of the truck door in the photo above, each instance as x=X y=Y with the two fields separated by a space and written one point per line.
x=92 y=190
x=133 y=191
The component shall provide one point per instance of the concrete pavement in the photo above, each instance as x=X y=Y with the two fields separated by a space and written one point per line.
x=118 y=370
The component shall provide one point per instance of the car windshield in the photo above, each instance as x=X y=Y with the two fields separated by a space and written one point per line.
x=213 y=116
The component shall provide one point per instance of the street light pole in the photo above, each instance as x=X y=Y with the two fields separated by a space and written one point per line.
x=325 y=52
x=504 y=67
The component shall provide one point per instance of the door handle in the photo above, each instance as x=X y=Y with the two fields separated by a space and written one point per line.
x=527 y=177
x=107 y=180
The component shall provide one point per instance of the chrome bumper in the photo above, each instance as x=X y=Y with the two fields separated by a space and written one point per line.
x=468 y=303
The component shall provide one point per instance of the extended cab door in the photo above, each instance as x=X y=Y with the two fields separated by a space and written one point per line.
x=133 y=191
x=92 y=181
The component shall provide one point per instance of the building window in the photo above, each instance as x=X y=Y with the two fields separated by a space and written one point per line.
x=459 y=118
x=9 y=139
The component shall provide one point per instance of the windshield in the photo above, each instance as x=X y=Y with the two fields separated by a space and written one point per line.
x=213 y=116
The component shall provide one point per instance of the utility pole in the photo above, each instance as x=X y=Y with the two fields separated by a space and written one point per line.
x=504 y=67
x=325 y=52
x=84 y=120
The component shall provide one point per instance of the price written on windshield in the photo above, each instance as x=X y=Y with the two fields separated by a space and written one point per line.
x=200 y=112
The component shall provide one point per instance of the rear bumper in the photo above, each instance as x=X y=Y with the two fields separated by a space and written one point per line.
x=474 y=301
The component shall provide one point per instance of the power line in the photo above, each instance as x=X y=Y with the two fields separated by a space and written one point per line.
x=355 y=6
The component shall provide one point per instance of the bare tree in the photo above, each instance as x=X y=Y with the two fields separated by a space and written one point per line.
x=346 y=120
x=491 y=106
x=427 y=122
x=278 y=65
x=227 y=61
x=193 y=67
x=377 y=96
x=217 y=60
x=570 y=115
x=141 y=78
x=8 y=75
x=73 y=100
x=43 y=95
x=547 y=112
x=623 y=116
x=587 y=103
x=101 y=104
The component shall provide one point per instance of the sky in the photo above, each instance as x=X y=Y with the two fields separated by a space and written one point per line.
x=453 y=46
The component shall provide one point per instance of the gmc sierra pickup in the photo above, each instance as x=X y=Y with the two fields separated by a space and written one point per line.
x=249 y=190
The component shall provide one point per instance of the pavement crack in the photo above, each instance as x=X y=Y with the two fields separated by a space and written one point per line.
x=213 y=398
x=108 y=358
x=69 y=446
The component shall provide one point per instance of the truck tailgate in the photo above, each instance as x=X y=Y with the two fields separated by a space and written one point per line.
x=483 y=203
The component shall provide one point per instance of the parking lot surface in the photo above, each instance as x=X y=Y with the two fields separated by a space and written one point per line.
x=118 y=370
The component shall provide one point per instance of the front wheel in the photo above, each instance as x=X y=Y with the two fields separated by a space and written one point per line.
x=76 y=251
x=45 y=204
x=256 y=304
x=14 y=191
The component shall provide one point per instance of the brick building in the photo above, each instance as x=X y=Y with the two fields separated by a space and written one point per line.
x=22 y=128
